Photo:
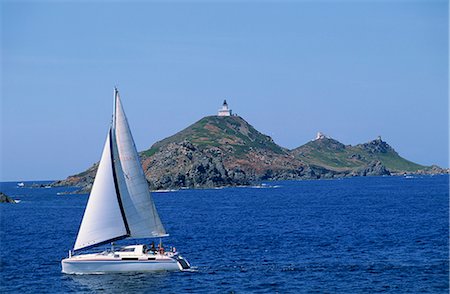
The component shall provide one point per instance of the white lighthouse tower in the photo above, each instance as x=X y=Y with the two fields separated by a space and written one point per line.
x=224 y=111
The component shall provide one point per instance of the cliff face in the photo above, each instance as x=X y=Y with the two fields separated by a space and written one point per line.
x=228 y=151
x=183 y=164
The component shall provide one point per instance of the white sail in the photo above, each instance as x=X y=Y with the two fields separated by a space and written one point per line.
x=102 y=221
x=141 y=216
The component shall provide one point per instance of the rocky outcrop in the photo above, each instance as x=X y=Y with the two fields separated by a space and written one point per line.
x=182 y=164
x=374 y=168
x=82 y=180
x=429 y=170
x=6 y=199
x=376 y=146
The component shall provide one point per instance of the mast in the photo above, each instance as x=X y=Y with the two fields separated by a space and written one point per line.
x=115 y=160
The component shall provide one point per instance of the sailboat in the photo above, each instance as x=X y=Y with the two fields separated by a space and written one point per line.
x=120 y=206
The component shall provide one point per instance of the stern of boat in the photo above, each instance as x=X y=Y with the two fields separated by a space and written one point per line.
x=183 y=264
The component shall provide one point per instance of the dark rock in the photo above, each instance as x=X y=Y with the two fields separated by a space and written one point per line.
x=374 y=168
x=376 y=146
x=6 y=199
x=356 y=157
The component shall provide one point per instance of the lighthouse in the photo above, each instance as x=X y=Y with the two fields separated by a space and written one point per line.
x=224 y=111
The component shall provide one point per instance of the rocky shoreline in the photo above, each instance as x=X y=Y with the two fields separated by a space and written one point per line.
x=227 y=151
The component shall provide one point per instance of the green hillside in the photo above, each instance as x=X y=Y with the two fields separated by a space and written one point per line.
x=230 y=132
x=334 y=155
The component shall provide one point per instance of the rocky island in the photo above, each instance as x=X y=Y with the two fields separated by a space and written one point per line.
x=6 y=199
x=225 y=150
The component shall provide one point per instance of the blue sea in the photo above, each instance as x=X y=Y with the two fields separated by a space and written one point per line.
x=356 y=235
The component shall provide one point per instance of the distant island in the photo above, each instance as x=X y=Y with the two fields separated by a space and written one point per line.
x=225 y=150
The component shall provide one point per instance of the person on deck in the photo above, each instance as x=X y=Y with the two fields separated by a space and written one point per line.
x=161 y=248
x=153 y=248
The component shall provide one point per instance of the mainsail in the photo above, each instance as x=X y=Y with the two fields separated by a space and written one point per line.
x=120 y=204
x=143 y=219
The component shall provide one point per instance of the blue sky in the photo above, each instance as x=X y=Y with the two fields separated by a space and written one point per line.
x=351 y=69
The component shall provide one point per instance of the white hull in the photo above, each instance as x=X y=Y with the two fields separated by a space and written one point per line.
x=92 y=267
x=108 y=262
